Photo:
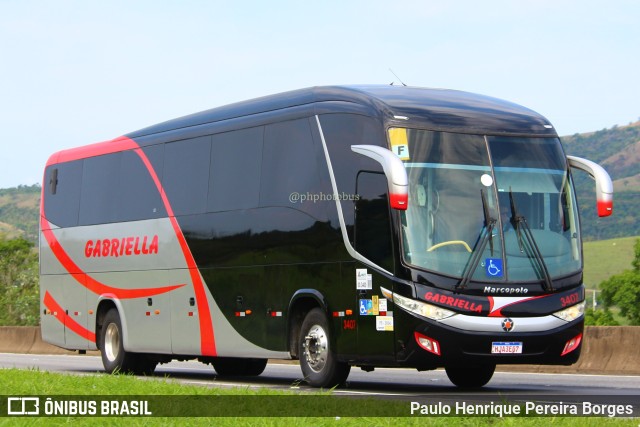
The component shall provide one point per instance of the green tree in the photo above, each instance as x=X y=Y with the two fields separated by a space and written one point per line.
x=623 y=290
x=599 y=318
x=636 y=260
x=19 y=286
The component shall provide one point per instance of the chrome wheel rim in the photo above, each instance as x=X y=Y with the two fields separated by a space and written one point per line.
x=112 y=342
x=316 y=348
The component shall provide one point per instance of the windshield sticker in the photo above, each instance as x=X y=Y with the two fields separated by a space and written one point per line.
x=384 y=323
x=382 y=305
x=399 y=143
x=366 y=307
x=486 y=180
x=493 y=267
x=363 y=279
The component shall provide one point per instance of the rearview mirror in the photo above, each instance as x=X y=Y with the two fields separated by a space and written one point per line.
x=394 y=170
x=604 y=186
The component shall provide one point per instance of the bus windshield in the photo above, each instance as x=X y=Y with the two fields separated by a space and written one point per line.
x=488 y=208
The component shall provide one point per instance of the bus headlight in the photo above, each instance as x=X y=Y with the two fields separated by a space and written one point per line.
x=418 y=307
x=571 y=313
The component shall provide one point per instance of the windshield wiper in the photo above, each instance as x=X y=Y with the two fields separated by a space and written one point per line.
x=487 y=218
x=486 y=236
x=519 y=223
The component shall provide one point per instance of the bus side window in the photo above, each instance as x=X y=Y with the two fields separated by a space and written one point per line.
x=100 y=189
x=372 y=219
x=139 y=197
x=234 y=180
x=61 y=206
x=290 y=167
x=186 y=174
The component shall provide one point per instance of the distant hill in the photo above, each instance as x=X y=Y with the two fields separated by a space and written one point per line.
x=617 y=149
x=19 y=210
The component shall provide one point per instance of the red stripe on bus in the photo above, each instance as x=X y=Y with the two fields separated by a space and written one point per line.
x=207 y=336
x=497 y=312
x=89 y=282
x=65 y=319
x=98 y=149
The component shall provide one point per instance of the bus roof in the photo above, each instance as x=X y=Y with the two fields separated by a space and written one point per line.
x=436 y=109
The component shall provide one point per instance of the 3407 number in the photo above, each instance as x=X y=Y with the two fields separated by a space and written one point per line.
x=572 y=299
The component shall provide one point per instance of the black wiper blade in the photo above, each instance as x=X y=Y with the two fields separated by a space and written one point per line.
x=486 y=236
x=515 y=220
x=487 y=217
x=519 y=223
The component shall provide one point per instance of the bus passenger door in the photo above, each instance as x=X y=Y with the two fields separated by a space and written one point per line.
x=373 y=241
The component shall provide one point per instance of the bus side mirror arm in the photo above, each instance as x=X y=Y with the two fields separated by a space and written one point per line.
x=394 y=170
x=604 y=186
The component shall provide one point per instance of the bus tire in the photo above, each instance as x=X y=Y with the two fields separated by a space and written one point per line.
x=470 y=376
x=235 y=366
x=114 y=357
x=318 y=362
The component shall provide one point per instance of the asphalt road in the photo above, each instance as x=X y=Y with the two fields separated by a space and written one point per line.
x=384 y=383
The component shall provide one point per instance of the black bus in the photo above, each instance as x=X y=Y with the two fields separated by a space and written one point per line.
x=368 y=226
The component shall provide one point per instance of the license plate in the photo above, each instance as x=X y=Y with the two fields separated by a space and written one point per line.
x=506 y=348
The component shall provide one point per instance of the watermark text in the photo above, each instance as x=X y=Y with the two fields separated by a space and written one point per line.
x=296 y=197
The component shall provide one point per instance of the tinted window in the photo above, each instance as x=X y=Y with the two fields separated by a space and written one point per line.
x=100 y=189
x=544 y=153
x=373 y=226
x=289 y=164
x=341 y=131
x=139 y=195
x=235 y=170
x=61 y=208
x=186 y=174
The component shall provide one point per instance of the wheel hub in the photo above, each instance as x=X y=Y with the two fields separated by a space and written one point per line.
x=112 y=342
x=316 y=348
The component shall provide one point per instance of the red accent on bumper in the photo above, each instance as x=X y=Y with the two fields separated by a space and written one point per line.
x=427 y=343
x=572 y=344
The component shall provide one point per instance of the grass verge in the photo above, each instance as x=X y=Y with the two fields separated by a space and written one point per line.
x=605 y=258
x=16 y=382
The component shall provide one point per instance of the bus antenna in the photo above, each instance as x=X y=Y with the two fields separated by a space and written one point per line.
x=396 y=78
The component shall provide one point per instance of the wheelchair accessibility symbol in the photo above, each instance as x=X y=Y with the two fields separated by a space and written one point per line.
x=493 y=267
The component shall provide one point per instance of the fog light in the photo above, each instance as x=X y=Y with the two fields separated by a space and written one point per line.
x=429 y=344
x=572 y=344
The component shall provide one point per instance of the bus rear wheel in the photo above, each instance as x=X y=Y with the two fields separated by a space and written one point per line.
x=470 y=376
x=233 y=366
x=114 y=356
x=317 y=360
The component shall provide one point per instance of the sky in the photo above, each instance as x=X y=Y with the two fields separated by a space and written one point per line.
x=78 y=72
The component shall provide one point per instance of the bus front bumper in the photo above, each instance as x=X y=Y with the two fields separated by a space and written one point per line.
x=431 y=344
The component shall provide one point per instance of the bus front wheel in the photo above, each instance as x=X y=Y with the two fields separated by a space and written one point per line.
x=317 y=359
x=114 y=356
x=470 y=376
